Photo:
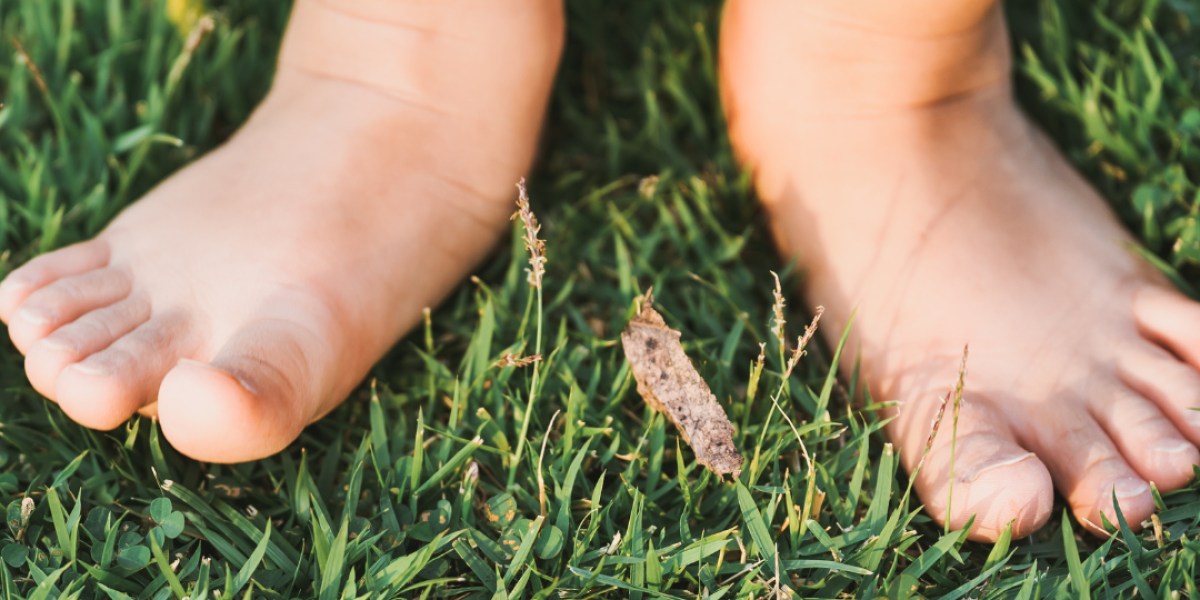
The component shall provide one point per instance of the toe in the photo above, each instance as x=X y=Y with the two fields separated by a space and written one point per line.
x=63 y=301
x=1172 y=385
x=80 y=339
x=1148 y=440
x=106 y=388
x=1171 y=319
x=252 y=400
x=1088 y=468
x=994 y=478
x=46 y=269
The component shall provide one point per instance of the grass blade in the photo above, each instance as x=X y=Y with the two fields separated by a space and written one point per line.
x=247 y=571
x=1081 y=585
x=758 y=530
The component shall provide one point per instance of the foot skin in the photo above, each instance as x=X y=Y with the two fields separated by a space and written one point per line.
x=898 y=169
x=249 y=294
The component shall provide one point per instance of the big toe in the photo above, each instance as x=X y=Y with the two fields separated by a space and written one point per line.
x=992 y=478
x=251 y=401
x=1007 y=487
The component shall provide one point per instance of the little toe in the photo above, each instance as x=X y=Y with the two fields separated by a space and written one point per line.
x=106 y=388
x=81 y=338
x=1172 y=385
x=1148 y=440
x=46 y=269
x=994 y=479
x=64 y=301
x=1088 y=469
x=252 y=400
x=1171 y=319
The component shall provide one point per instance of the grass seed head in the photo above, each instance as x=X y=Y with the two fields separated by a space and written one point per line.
x=935 y=425
x=647 y=186
x=778 y=322
x=512 y=360
x=812 y=328
x=802 y=341
x=203 y=26
x=536 y=247
x=794 y=358
x=958 y=387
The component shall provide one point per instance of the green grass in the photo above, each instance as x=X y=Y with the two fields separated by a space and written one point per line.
x=405 y=490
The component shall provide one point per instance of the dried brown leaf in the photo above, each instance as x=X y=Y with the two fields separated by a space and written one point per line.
x=670 y=384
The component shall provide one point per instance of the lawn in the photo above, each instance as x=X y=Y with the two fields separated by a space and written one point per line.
x=448 y=476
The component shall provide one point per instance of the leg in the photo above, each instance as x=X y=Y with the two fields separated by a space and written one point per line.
x=890 y=154
x=247 y=295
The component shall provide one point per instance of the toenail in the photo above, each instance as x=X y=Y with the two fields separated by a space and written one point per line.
x=995 y=462
x=1170 y=446
x=61 y=345
x=1193 y=417
x=1130 y=488
x=32 y=316
x=91 y=369
x=204 y=365
x=13 y=283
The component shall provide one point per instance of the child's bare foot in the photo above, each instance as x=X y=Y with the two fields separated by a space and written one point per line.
x=247 y=295
x=894 y=163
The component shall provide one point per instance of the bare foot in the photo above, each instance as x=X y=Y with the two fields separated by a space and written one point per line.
x=246 y=296
x=894 y=162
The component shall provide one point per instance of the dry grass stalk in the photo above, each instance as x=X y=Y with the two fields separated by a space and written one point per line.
x=33 y=68
x=542 y=457
x=933 y=429
x=512 y=360
x=811 y=328
x=203 y=26
x=536 y=247
x=1158 y=529
x=803 y=449
x=958 y=394
x=958 y=387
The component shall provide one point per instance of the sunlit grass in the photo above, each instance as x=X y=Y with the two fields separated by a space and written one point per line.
x=434 y=482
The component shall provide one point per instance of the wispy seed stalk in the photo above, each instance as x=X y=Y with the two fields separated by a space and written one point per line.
x=536 y=247
x=537 y=268
x=802 y=342
x=778 y=321
x=958 y=393
x=512 y=360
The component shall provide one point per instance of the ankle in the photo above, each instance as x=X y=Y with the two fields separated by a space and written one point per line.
x=860 y=61
x=458 y=89
x=455 y=57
